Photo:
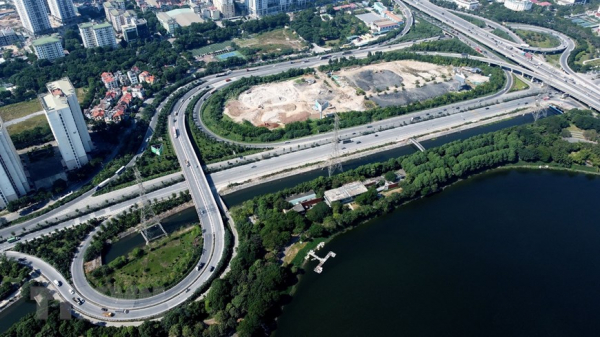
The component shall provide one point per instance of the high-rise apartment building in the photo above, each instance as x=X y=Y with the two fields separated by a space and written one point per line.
x=97 y=35
x=268 y=7
x=48 y=48
x=226 y=8
x=8 y=36
x=13 y=181
x=67 y=123
x=34 y=16
x=62 y=10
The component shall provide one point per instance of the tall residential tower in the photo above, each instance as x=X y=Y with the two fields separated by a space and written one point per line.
x=67 y=123
x=13 y=182
x=62 y=10
x=34 y=16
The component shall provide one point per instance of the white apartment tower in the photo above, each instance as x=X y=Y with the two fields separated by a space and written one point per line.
x=34 y=16
x=48 y=47
x=66 y=122
x=62 y=10
x=97 y=35
x=13 y=182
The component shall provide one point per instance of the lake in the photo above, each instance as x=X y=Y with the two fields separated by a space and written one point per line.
x=507 y=253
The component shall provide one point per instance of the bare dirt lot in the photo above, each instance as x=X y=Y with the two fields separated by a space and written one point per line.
x=386 y=84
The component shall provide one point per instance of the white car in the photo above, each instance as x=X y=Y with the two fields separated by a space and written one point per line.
x=72 y=292
x=57 y=282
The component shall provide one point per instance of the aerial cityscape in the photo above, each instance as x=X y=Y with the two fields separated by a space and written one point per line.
x=299 y=168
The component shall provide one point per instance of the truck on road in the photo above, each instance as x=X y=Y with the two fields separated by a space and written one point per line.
x=223 y=74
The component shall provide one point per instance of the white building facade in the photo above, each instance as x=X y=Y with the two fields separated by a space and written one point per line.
x=62 y=10
x=13 y=181
x=67 y=123
x=48 y=48
x=97 y=35
x=226 y=8
x=34 y=16
x=467 y=4
x=518 y=5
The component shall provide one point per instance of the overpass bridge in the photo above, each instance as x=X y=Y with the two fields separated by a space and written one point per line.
x=577 y=87
x=417 y=144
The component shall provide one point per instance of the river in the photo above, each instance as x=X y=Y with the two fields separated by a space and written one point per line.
x=505 y=253
x=238 y=197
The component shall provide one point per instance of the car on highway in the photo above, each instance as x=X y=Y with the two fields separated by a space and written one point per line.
x=212 y=268
x=57 y=283
x=104 y=309
x=358 y=142
x=71 y=291
x=253 y=166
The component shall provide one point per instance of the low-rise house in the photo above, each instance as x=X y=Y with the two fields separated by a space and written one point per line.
x=345 y=193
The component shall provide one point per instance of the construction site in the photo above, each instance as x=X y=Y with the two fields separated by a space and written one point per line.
x=351 y=89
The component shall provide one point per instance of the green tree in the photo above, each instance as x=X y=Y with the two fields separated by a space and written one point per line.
x=318 y=212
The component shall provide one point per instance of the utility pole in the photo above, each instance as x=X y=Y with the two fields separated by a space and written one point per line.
x=334 y=161
x=147 y=215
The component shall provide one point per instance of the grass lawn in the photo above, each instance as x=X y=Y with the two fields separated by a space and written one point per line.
x=299 y=258
x=210 y=48
x=18 y=110
x=28 y=124
x=518 y=84
x=163 y=263
x=475 y=21
x=80 y=92
x=536 y=39
x=593 y=63
x=272 y=41
x=502 y=34
x=554 y=60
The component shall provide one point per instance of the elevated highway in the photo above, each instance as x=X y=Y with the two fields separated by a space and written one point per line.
x=579 y=88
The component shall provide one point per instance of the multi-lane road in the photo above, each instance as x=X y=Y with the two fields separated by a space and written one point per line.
x=576 y=86
x=398 y=129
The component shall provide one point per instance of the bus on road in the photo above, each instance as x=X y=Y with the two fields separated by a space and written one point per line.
x=13 y=239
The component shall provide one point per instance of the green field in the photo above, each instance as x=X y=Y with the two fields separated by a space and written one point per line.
x=28 y=124
x=210 y=48
x=536 y=39
x=272 y=41
x=162 y=263
x=502 y=34
x=477 y=22
x=18 y=110
x=518 y=84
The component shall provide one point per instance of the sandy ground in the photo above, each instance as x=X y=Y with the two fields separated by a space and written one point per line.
x=393 y=83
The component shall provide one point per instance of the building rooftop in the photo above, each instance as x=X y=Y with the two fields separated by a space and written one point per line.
x=63 y=84
x=183 y=16
x=369 y=18
x=102 y=25
x=45 y=40
x=298 y=198
x=346 y=191
x=385 y=23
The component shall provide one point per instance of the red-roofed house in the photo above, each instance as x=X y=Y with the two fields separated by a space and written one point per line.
x=126 y=99
x=110 y=82
x=393 y=17
x=97 y=113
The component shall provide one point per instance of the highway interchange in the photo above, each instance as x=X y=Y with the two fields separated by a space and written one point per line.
x=394 y=130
